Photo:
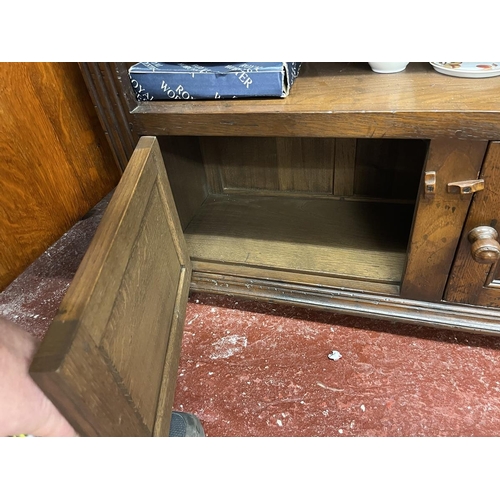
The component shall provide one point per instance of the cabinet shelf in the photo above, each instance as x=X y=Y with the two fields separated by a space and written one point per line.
x=354 y=240
x=342 y=100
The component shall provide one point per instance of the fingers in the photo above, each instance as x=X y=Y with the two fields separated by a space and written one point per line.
x=33 y=413
x=24 y=408
x=48 y=421
x=19 y=342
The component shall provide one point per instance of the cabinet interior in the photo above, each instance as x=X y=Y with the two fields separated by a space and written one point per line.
x=315 y=210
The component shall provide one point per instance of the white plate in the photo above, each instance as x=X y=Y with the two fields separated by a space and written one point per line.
x=468 y=69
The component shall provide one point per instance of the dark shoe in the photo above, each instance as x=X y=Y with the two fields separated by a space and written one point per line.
x=185 y=425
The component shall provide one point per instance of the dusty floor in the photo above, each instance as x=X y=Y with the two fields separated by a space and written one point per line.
x=258 y=369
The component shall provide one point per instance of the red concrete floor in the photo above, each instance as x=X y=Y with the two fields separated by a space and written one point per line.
x=258 y=369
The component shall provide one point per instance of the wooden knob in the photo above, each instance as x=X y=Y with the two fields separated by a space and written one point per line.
x=485 y=248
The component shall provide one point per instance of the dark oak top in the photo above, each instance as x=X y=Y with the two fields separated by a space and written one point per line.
x=343 y=100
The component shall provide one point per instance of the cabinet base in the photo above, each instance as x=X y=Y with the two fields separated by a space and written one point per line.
x=458 y=317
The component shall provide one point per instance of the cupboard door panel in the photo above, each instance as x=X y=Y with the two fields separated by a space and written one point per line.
x=439 y=218
x=110 y=357
x=472 y=282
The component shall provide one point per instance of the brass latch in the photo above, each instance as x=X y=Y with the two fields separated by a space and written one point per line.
x=466 y=187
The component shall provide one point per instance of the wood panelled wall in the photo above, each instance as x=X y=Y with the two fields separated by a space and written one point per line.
x=55 y=162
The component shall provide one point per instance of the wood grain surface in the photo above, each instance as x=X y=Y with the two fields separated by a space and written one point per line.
x=55 y=163
x=293 y=165
x=186 y=174
x=345 y=103
x=322 y=237
x=109 y=359
x=366 y=168
x=457 y=317
x=105 y=86
x=439 y=218
x=468 y=279
x=345 y=165
x=343 y=100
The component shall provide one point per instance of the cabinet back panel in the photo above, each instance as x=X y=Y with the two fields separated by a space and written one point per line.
x=375 y=169
x=296 y=165
x=389 y=169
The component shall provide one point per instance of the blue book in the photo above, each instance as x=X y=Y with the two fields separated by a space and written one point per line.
x=161 y=81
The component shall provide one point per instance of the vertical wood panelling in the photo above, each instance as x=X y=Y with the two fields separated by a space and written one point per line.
x=249 y=163
x=294 y=165
x=305 y=164
x=345 y=160
x=55 y=163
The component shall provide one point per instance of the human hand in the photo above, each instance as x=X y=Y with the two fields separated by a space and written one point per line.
x=24 y=408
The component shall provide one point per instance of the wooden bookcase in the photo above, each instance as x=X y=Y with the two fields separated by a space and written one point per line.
x=357 y=193
x=320 y=198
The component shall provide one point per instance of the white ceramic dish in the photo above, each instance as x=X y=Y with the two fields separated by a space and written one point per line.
x=468 y=69
x=388 y=67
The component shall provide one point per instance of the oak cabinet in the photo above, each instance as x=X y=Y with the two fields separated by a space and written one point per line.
x=351 y=194
x=475 y=276
x=357 y=193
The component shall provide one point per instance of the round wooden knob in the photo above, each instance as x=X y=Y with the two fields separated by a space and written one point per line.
x=485 y=248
